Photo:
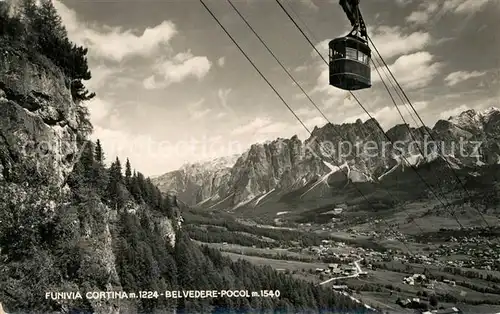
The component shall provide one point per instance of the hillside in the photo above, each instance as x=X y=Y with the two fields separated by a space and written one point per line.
x=68 y=223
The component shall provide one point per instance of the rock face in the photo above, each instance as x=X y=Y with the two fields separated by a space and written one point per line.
x=197 y=182
x=38 y=125
x=361 y=150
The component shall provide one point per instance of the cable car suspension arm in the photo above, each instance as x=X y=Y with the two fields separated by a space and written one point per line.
x=351 y=9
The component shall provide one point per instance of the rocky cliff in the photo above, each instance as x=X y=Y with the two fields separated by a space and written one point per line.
x=61 y=241
x=336 y=155
x=38 y=128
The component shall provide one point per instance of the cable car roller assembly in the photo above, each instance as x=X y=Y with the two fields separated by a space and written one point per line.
x=349 y=56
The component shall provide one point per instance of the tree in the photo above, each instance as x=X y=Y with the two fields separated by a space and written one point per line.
x=79 y=92
x=135 y=188
x=99 y=153
x=83 y=171
x=53 y=23
x=87 y=158
x=29 y=10
x=115 y=188
x=433 y=300
x=11 y=27
x=84 y=125
x=118 y=170
x=128 y=172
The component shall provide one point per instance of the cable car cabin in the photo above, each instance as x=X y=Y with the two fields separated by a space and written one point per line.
x=350 y=63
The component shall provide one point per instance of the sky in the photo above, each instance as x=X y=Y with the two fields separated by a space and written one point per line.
x=173 y=88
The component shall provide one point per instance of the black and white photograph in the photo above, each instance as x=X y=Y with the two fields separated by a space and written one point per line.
x=249 y=156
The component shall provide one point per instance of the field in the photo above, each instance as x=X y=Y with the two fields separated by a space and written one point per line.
x=277 y=264
x=245 y=250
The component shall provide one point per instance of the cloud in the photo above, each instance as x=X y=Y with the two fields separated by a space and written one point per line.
x=429 y=8
x=301 y=68
x=413 y=71
x=252 y=127
x=403 y=2
x=391 y=41
x=196 y=110
x=459 y=76
x=465 y=6
x=221 y=115
x=262 y=126
x=453 y=112
x=221 y=61
x=114 y=43
x=306 y=111
x=182 y=66
x=101 y=75
x=273 y=128
x=318 y=121
x=423 y=16
x=223 y=95
x=99 y=109
x=322 y=48
x=388 y=116
x=312 y=4
x=418 y=17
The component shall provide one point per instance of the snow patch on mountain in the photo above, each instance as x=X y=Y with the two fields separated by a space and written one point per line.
x=324 y=179
x=212 y=165
x=473 y=120
x=264 y=196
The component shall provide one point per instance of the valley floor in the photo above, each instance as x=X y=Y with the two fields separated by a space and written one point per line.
x=411 y=256
x=447 y=271
x=381 y=288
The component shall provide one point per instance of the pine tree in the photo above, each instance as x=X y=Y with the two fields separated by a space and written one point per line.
x=135 y=188
x=79 y=92
x=53 y=22
x=87 y=158
x=118 y=170
x=82 y=174
x=85 y=126
x=29 y=10
x=99 y=178
x=128 y=173
x=115 y=188
x=99 y=153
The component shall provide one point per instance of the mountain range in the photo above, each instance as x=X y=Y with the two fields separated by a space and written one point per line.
x=335 y=156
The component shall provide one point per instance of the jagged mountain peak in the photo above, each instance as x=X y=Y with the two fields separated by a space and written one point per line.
x=213 y=164
x=330 y=130
x=399 y=130
x=278 y=140
x=491 y=111
x=475 y=114
x=473 y=120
